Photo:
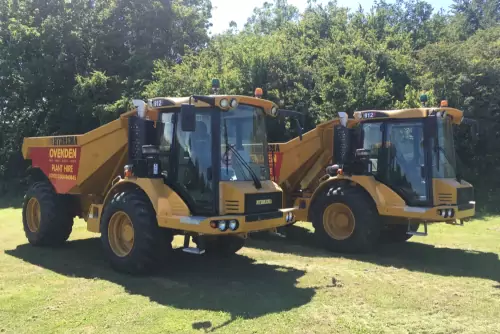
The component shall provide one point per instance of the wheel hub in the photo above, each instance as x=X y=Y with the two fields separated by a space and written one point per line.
x=33 y=215
x=121 y=234
x=338 y=221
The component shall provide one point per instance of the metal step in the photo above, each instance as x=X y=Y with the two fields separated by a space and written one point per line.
x=419 y=234
x=277 y=234
x=193 y=250
x=454 y=222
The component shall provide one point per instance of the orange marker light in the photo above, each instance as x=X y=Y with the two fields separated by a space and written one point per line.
x=258 y=92
x=340 y=171
x=444 y=103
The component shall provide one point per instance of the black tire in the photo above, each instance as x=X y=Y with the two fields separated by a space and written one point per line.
x=366 y=230
x=56 y=220
x=395 y=233
x=151 y=243
x=222 y=245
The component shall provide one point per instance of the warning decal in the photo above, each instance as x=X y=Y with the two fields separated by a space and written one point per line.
x=60 y=164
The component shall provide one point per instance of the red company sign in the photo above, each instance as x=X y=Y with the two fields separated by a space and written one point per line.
x=275 y=167
x=59 y=164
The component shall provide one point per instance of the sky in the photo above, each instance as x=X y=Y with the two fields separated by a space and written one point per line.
x=225 y=11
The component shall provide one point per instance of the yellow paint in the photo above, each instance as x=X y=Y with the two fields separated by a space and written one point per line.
x=93 y=223
x=232 y=194
x=455 y=114
x=445 y=190
x=33 y=215
x=181 y=223
x=338 y=221
x=121 y=234
x=176 y=102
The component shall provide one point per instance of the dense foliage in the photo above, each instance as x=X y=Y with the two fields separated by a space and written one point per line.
x=68 y=66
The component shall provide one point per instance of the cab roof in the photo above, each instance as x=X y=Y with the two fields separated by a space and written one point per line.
x=206 y=101
x=455 y=114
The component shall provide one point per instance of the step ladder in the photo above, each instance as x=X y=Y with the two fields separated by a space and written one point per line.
x=420 y=234
x=193 y=250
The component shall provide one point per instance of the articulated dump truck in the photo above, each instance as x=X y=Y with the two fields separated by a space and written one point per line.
x=193 y=166
x=375 y=177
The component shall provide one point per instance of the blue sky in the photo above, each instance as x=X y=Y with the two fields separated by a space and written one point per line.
x=225 y=11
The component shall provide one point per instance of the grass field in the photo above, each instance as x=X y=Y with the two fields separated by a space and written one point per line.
x=447 y=282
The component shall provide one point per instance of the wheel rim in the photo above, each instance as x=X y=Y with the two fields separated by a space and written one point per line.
x=33 y=215
x=338 y=221
x=121 y=234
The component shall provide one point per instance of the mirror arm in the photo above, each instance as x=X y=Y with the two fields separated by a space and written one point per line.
x=295 y=115
x=207 y=99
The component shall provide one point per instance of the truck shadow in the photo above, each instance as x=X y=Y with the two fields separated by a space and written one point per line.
x=236 y=285
x=8 y=201
x=409 y=255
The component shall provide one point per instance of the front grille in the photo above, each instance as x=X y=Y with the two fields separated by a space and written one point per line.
x=265 y=202
x=445 y=198
x=232 y=206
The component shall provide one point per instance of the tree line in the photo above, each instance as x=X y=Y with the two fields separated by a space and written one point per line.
x=70 y=66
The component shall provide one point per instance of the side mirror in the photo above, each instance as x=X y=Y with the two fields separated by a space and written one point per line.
x=295 y=115
x=188 y=118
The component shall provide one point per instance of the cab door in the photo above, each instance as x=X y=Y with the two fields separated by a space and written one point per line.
x=194 y=175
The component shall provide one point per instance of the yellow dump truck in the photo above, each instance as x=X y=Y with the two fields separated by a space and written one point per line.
x=193 y=166
x=375 y=177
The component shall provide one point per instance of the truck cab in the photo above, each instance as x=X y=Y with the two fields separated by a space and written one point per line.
x=412 y=152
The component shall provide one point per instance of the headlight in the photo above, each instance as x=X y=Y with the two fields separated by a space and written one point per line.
x=224 y=103
x=222 y=225
x=233 y=224
x=274 y=111
x=234 y=103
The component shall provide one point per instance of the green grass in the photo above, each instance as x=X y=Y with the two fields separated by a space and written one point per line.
x=447 y=282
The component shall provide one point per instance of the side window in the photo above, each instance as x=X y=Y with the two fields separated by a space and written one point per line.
x=372 y=141
x=166 y=139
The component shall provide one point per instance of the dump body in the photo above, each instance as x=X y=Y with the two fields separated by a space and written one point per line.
x=81 y=164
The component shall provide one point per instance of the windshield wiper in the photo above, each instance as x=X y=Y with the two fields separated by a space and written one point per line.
x=226 y=142
x=242 y=161
x=450 y=162
x=255 y=179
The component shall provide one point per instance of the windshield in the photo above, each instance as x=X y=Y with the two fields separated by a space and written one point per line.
x=444 y=160
x=244 y=129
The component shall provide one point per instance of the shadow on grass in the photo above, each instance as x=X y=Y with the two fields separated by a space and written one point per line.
x=236 y=285
x=11 y=201
x=413 y=256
